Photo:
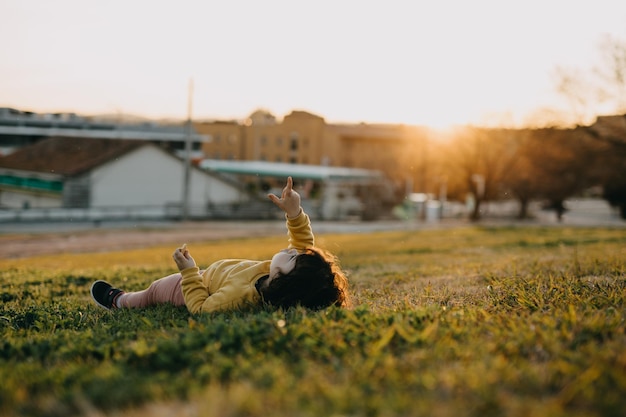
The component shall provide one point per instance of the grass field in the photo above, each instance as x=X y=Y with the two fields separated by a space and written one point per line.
x=470 y=321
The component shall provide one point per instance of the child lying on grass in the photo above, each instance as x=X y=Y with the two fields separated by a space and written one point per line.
x=299 y=275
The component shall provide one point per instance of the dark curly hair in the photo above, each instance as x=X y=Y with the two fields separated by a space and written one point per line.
x=315 y=282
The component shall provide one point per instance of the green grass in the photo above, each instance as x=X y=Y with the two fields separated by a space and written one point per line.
x=459 y=322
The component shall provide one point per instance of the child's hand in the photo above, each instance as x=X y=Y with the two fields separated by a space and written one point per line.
x=290 y=200
x=183 y=259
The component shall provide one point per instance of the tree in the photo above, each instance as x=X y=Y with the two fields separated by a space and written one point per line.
x=563 y=165
x=522 y=179
x=551 y=165
x=612 y=72
x=478 y=160
x=609 y=136
x=600 y=87
x=608 y=82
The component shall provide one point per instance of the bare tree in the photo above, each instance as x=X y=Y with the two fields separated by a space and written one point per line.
x=608 y=83
x=576 y=88
x=609 y=136
x=604 y=83
x=478 y=161
x=562 y=165
x=522 y=179
x=612 y=72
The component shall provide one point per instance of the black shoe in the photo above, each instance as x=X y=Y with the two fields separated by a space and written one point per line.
x=104 y=294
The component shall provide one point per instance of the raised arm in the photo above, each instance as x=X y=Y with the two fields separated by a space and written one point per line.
x=298 y=223
x=300 y=232
x=194 y=292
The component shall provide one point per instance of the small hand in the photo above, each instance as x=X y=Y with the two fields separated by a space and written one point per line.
x=289 y=201
x=183 y=259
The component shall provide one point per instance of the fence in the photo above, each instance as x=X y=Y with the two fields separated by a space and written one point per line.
x=245 y=210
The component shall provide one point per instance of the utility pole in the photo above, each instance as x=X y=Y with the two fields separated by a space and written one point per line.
x=187 y=176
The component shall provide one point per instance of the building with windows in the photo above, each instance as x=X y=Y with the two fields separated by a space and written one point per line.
x=298 y=139
x=398 y=151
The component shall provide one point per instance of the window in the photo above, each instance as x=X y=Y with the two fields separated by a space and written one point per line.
x=293 y=139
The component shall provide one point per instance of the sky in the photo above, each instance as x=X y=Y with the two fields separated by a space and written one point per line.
x=436 y=63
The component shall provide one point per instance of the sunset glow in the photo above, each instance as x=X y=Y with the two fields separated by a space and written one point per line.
x=413 y=62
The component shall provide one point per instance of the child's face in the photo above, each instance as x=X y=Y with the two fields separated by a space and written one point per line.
x=283 y=262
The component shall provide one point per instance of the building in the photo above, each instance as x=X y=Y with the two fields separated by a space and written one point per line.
x=300 y=138
x=330 y=193
x=297 y=140
x=21 y=128
x=124 y=178
x=398 y=151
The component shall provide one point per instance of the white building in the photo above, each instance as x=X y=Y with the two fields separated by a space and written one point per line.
x=112 y=178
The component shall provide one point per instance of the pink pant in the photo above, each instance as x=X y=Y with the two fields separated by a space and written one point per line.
x=161 y=291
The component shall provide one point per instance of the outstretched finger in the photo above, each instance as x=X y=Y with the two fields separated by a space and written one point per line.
x=289 y=185
x=274 y=198
x=277 y=201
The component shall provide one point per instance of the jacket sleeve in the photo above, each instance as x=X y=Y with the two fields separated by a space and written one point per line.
x=229 y=297
x=300 y=232
x=194 y=291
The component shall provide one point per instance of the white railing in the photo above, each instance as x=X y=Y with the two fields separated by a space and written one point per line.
x=244 y=210
x=89 y=214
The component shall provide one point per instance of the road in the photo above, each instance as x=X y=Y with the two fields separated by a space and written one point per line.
x=21 y=240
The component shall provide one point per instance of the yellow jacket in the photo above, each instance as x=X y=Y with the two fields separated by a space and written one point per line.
x=230 y=283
